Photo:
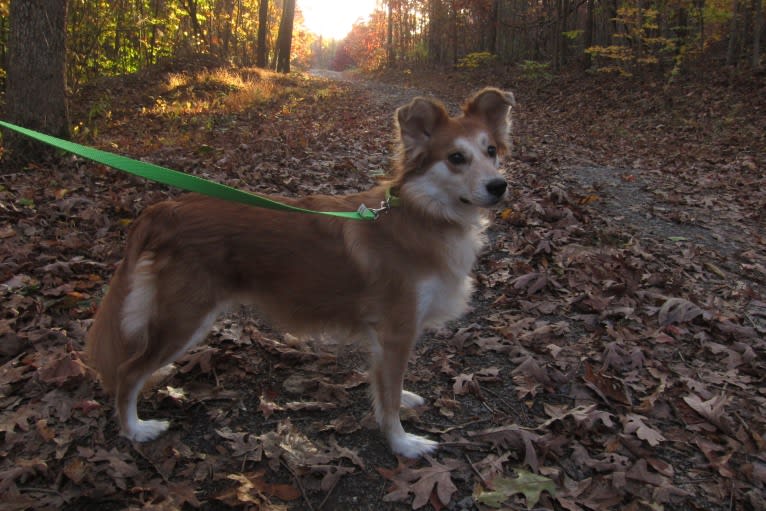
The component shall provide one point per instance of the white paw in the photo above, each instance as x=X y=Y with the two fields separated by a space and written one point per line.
x=412 y=446
x=143 y=431
x=411 y=400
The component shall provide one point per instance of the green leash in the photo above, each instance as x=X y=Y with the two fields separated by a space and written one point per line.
x=181 y=180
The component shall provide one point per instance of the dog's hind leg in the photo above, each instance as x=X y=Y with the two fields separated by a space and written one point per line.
x=389 y=362
x=163 y=347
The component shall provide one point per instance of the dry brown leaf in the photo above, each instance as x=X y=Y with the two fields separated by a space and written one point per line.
x=242 y=444
x=21 y=471
x=713 y=409
x=677 y=310
x=512 y=437
x=422 y=482
x=61 y=369
x=76 y=469
x=634 y=423
x=610 y=388
x=717 y=456
x=464 y=384
x=343 y=425
x=309 y=405
x=203 y=358
x=532 y=282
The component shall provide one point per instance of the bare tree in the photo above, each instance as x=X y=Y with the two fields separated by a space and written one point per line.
x=285 y=37
x=263 y=28
x=757 y=28
x=36 y=83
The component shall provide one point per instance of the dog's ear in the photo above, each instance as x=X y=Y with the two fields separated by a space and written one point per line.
x=418 y=120
x=493 y=107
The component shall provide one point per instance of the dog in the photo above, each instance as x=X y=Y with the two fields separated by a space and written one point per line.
x=383 y=281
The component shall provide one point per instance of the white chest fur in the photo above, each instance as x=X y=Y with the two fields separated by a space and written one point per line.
x=444 y=296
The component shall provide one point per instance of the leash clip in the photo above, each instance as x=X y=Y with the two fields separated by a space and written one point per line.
x=365 y=212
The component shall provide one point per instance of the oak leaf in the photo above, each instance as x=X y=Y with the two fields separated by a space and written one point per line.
x=634 y=423
x=606 y=386
x=677 y=310
x=422 y=482
x=712 y=409
x=529 y=484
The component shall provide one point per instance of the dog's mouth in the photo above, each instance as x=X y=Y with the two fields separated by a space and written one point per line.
x=489 y=203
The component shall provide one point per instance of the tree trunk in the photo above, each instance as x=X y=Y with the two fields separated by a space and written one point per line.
x=285 y=37
x=453 y=31
x=557 y=29
x=226 y=37
x=435 y=29
x=35 y=94
x=757 y=28
x=390 y=53
x=263 y=26
x=492 y=30
x=191 y=8
x=731 y=51
x=588 y=36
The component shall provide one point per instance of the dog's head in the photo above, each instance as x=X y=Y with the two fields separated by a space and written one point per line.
x=448 y=166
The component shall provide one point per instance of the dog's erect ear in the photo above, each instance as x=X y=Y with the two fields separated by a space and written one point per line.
x=493 y=107
x=418 y=120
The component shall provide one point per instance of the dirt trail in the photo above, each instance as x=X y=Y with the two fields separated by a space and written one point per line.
x=628 y=197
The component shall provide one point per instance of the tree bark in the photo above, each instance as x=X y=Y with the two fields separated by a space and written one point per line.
x=191 y=8
x=731 y=52
x=285 y=37
x=453 y=31
x=390 y=52
x=35 y=94
x=757 y=29
x=263 y=25
x=492 y=29
x=588 y=36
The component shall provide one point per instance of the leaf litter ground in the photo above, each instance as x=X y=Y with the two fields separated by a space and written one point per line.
x=613 y=357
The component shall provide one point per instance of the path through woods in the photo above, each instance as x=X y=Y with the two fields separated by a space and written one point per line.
x=613 y=357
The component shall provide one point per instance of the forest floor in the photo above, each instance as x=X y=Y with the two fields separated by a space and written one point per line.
x=614 y=357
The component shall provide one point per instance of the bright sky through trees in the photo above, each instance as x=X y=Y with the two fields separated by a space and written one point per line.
x=333 y=18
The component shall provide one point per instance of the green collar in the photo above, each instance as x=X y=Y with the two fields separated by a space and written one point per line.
x=392 y=200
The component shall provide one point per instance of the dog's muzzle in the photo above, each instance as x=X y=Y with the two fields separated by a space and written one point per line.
x=496 y=187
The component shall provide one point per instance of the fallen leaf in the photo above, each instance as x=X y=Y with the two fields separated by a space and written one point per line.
x=712 y=409
x=677 y=310
x=529 y=484
x=422 y=482
x=609 y=388
x=634 y=423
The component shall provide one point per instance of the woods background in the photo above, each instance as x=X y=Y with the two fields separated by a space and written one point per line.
x=107 y=37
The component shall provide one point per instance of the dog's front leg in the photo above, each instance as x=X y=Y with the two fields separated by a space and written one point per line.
x=389 y=362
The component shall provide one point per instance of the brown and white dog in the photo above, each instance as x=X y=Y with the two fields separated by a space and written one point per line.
x=383 y=281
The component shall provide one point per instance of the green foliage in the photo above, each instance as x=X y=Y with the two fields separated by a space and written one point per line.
x=419 y=53
x=573 y=35
x=535 y=70
x=476 y=59
x=109 y=37
x=640 y=45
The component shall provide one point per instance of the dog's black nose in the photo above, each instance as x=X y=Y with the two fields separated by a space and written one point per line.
x=497 y=187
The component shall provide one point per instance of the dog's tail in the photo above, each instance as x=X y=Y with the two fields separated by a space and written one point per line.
x=120 y=328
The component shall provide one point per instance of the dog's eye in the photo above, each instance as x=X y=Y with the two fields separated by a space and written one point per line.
x=456 y=158
x=492 y=151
